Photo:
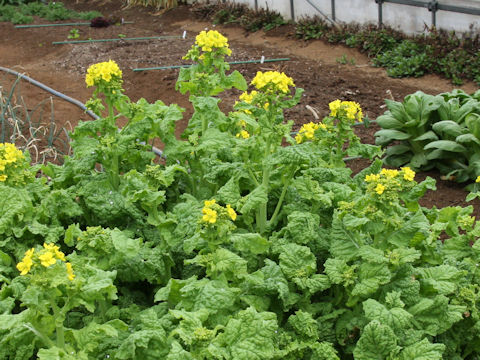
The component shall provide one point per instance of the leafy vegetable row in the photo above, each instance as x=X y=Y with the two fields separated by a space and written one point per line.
x=427 y=131
x=232 y=246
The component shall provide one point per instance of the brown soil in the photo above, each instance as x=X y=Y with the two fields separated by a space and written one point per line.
x=313 y=65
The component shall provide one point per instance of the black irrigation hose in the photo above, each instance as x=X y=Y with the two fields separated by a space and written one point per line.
x=62 y=96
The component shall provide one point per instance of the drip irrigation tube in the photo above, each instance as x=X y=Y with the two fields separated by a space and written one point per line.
x=231 y=63
x=117 y=39
x=60 y=24
x=157 y=151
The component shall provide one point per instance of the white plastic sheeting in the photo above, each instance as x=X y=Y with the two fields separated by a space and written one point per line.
x=409 y=19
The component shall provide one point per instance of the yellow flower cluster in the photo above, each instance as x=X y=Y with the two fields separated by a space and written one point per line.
x=243 y=134
x=272 y=81
x=350 y=109
x=307 y=131
x=211 y=211
x=48 y=256
x=248 y=98
x=209 y=215
x=387 y=178
x=9 y=155
x=212 y=39
x=104 y=71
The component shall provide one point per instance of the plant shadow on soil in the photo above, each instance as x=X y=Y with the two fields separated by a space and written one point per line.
x=313 y=65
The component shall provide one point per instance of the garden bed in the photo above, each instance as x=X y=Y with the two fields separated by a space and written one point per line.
x=315 y=66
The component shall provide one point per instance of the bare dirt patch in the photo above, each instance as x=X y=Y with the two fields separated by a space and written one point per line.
x=313 y=65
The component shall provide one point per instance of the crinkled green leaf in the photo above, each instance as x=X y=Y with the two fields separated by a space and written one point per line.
x=377 y=341
x=249 y=335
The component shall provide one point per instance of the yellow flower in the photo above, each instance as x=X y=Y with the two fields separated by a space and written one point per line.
x=105 y=71
x=389 y=173
x=47 y=259
x=244 y=134
x=350 y=109
x=231 y=213
x=70 y=273
x=334 y=106
x=212 y=39
x=55 y=250
x=3 y=177
x=25 y=265
x=271 y=81
x=379 y=189
x=307 y=131
x=209 y=216
x=478 y=179
x=408 y=174
x=209 y=203
x=372 y=177
x=248 y=98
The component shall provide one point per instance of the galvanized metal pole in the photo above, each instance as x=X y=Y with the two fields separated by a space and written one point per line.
x=380 y=12
x=292 y=10
x=333 y=10
x=433 y=7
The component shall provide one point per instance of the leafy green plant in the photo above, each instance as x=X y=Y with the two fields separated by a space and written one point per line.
x=23 y=13
x=232 y=245
x=438 y=132
x=73 y=34
x=344 y=60
x=406 y=59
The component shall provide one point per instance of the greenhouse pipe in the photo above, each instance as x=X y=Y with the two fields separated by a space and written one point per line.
x=230 y=63
x=321 y=13
x=59 y=24
x=50 y=90
x=115 y=39
x=333 y=10
x=157 y=151
x=451 y=8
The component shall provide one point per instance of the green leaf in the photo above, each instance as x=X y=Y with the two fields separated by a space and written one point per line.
x=441 y=279
x=370 y=277
x=467 y=139
x=422 y=350
x=249 y=335
x=386 y=136
x=418 y=223
x=427 y=136
x=339 y=272
x=397 y=318
x=304 y=325
x=473 y=124
x=397 y=150
x=448 y=128
x=388 y=121
x=178 y=353
x=297 y=261
x=250 y=242
x=253 y=200
x=446 y=145
x=237 y=81
x=377 y=341
x=434 y=316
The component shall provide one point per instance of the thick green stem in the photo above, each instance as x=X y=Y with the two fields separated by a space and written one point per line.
x=282 y=196
x=58 y=324
x=262 y=216
x=204 y=124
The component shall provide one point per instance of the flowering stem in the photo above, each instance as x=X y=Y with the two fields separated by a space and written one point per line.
x=262 y=215
x=282 y=196
x=58 y=323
